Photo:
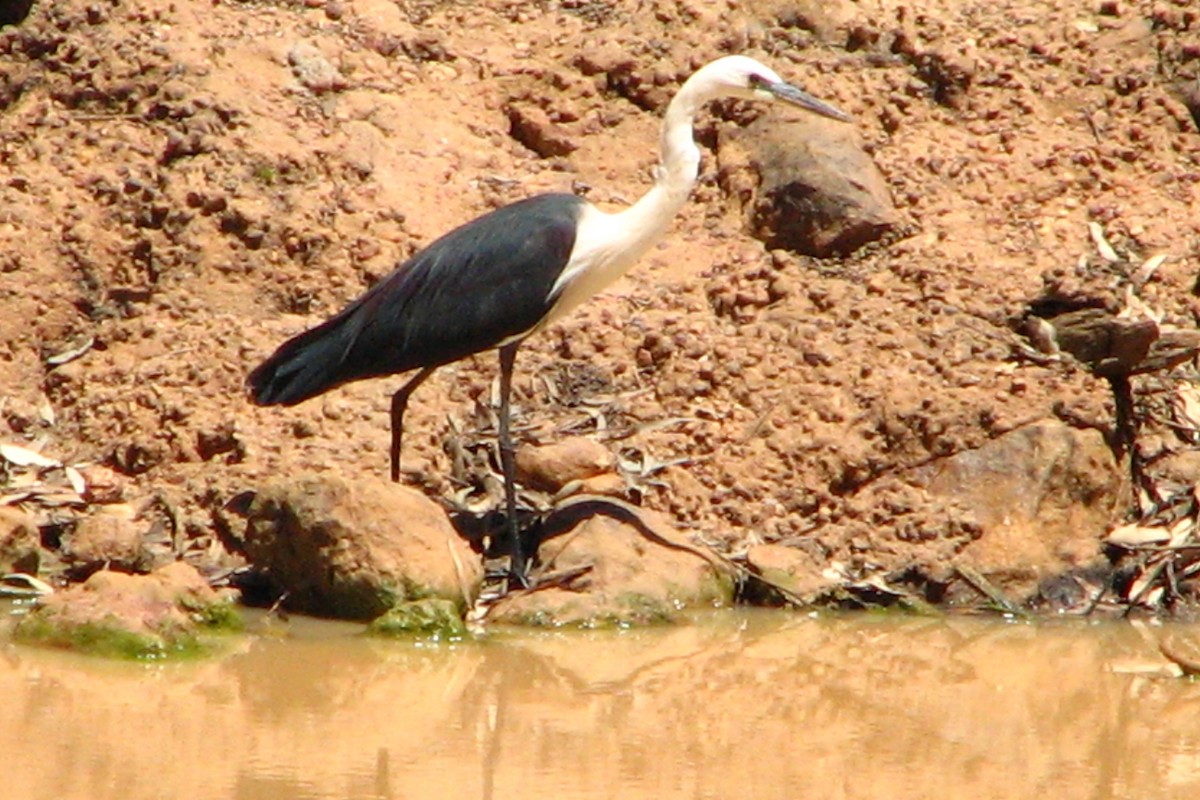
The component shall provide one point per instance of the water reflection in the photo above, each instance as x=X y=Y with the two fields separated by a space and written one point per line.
x=754 y=705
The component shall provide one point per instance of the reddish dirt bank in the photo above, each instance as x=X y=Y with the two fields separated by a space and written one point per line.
x=186 y=184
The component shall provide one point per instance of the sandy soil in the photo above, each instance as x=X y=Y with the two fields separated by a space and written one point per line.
x=184 y=185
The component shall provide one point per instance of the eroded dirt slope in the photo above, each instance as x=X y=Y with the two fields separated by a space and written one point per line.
x=184 y=185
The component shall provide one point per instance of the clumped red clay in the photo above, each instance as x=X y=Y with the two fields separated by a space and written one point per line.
x=186 y=185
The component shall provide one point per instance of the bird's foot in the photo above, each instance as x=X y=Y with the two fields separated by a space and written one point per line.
x=501 y=576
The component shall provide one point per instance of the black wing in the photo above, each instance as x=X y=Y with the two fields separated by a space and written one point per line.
x=478 y=285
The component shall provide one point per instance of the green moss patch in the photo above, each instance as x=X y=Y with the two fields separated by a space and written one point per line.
x=109 y=640
x=431 y=618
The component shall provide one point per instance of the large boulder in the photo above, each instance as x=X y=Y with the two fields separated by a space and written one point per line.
x=1042 y=495
x=167 y=612
x=356 y=549
x=806 y=185
x=636 y=568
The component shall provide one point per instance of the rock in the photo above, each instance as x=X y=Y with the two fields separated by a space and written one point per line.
x=15 y=12
x=792 y=569
x=431 y=618
x=354 y=550
x=103 y=485
x=1189 y=94
x=550 y=467
x=1042 y=495
x=533 y=128
x=609 y=484
x=1106 y=344
x=167 y=612
x=109 y=536
x=313 y=70
x=806 y=185
x=19 y=541
x=642 y=570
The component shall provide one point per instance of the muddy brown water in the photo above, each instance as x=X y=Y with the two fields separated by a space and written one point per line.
x=735 y=705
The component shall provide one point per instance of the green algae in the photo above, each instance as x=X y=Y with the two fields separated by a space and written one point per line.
x=111 y=638
x=428 y=618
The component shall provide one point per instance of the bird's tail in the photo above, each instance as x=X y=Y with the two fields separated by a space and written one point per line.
x=304 y=366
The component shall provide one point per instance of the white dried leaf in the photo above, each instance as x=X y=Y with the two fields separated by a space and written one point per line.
x=1181 y=531
x=1102 y=246
x=836 y=571
x=71 y=353
x=1140 y=587
x=1188 y=408
x=56 y=498
x=24 y=457
x=1148 y=268
x=1134 y=535
x=12 y=498
x=21 y=584
x=1136 y=308
x=46 y=412
x=76 y=479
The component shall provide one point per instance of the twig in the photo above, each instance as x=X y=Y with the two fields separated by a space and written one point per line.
x=985 y=588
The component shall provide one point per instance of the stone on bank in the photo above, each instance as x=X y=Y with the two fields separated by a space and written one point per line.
x=170 y=612
x=356 y=549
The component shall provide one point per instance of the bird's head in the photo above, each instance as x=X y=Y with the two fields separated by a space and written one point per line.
x=745 y=78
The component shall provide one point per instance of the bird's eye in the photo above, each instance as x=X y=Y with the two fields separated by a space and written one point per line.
x=757 y=81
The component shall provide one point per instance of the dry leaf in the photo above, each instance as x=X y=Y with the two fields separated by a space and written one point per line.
x=1181 y=531
x=72 y=353
x=1134 y=535
x=1102 y=246
x=46 y=412
x=76 y=479
x=1187 y=396
x=1139 y=589
x=1148 y=268
x=20 y=584
x=24 y=457
x=1136 y=308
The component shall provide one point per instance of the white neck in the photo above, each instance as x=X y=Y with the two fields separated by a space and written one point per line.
x=675 y=176
x=607 y=245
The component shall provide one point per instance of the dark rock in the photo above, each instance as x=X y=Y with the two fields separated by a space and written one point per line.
x=19 y=551
x=1108 y=345
x=806 y=185
x=14 y=12
x=1189 y=93
x=639 y=570
x=354 y=550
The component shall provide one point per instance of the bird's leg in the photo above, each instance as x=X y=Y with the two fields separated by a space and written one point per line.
x=508 y=356
x=399 y=404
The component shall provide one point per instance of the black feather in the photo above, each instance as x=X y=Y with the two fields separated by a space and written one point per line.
x=475 y=287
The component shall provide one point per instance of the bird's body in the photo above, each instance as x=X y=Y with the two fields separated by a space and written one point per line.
x=495 y=280
x=471 y=290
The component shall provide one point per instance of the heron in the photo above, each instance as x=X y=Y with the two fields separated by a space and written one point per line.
x=492 y=282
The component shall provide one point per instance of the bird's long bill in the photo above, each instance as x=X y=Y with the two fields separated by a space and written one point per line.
x=799 y=97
